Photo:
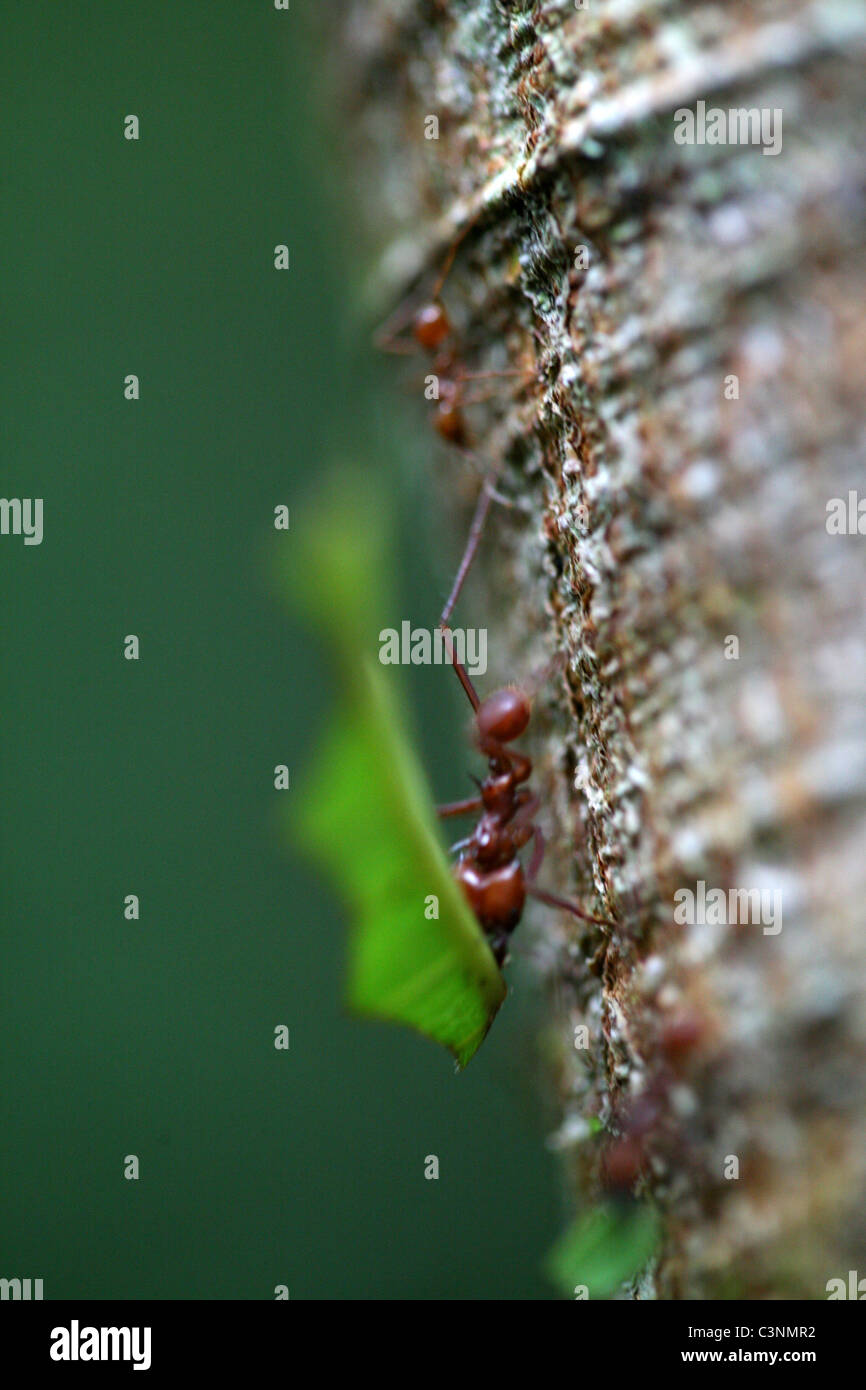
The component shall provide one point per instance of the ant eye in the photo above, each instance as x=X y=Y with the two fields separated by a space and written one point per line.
x=431 y=326
x=504 y=715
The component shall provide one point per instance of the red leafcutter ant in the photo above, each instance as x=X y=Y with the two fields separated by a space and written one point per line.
x=488 y=866
x=433 y=332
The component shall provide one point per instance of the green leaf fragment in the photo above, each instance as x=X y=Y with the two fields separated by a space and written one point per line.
x=367 y=819
x=603 y=1248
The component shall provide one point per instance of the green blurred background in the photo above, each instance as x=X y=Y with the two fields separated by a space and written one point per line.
x=155 y=777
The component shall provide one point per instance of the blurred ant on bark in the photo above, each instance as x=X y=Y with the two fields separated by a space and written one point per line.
x=488 y=868
x=433 y=332
x=647 y=1123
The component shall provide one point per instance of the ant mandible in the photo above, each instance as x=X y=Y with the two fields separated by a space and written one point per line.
x=488 y=868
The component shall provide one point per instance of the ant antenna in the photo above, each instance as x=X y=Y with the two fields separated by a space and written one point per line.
x=462 y=673
x=479 y=518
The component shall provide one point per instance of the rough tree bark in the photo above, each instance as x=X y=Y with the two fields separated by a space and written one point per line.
x=663 y=508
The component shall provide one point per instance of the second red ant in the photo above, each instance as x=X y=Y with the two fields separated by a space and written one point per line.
x=433 y=331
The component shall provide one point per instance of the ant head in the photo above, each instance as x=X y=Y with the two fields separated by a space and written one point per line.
x=503 y=716
x=431 y=326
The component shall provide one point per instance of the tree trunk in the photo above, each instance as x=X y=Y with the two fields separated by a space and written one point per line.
x=686 y=325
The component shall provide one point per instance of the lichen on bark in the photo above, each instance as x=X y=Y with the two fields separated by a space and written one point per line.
x=661 y=510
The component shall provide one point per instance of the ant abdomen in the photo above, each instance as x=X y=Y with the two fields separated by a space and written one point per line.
x=503 y=716
x=496 y=896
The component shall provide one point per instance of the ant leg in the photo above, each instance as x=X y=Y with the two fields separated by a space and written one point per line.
x=488 y=394
x=460 y=808
x=522 y=831
x=485 y=376
x=384 y=342
x=452 y=251
x=460 y=669
x=524 y=813
x=538 y=849
x=489 y=480
x=479 y=398
x=551 y=899
x=461 y=844
x=387 y=336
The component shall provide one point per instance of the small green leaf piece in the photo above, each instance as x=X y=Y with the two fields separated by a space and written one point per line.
x=603 y=1248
